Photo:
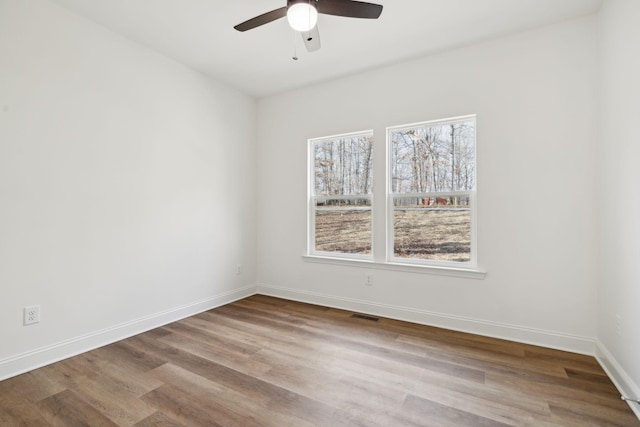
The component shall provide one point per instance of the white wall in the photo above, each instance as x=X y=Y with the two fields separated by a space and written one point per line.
x=535 y=97
x=619 y=158
x=127 y=186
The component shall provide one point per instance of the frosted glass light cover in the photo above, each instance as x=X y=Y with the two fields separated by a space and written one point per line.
x=302 y=16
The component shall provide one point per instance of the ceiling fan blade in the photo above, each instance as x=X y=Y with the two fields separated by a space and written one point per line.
x=265 y=18
x=350 y=9
x=311 y=39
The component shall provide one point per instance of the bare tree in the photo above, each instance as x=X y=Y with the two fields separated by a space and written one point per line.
x=343 y=166
x=434 y=158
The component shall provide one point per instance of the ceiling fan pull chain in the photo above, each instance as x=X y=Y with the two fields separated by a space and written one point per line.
x=295 y=54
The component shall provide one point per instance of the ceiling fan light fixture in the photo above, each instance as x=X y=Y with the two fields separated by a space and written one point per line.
x=302 y=16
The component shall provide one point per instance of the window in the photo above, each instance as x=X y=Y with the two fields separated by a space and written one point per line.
x=431 y=193
x=340 y=195
x=430 y=214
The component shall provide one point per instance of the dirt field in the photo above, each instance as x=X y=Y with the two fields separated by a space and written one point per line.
x=435 y=234
x=343 y=230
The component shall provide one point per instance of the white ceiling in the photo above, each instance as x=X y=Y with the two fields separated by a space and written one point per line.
x=200 y=34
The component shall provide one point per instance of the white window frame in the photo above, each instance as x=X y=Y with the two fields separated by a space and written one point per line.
x=472 y=264
x=381 y=256
x=312 y=199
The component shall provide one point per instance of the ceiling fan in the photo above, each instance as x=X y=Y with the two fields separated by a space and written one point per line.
x=303 y=16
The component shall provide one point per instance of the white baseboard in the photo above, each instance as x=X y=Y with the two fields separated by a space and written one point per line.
x=572 y=343
x=625 y=385
x=34 y=359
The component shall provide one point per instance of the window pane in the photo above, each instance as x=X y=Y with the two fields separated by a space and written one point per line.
x=437 y=229
x=433 y=158
x=342 y=166
x=343 y=226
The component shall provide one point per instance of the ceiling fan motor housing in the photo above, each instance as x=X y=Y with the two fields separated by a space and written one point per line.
x=292 y=2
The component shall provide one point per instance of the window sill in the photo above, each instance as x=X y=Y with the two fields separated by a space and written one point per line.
x=467 y=273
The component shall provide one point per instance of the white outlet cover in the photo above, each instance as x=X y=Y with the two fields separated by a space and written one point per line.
x=31 y=314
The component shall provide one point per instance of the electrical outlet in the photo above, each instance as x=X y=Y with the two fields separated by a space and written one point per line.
x=31 y=314
x=618 y=325
x=238 y=269
x=368 y=279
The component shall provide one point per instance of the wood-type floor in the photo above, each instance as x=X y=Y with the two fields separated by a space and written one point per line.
x=265 y=361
